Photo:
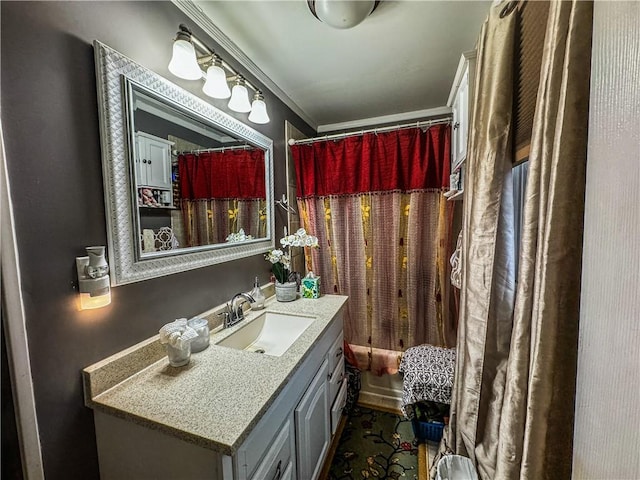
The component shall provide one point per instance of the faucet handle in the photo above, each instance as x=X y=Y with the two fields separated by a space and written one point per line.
x=226 y=317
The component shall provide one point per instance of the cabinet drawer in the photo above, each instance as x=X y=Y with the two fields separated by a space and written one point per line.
x=338 y=406
x=335 y=380
x=278 y=459
x=336 y=352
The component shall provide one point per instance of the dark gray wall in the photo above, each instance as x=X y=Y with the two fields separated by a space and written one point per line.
x=50 y=123
x=159 y=127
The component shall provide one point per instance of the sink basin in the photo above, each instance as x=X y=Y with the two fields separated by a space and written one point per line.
x=270 y=333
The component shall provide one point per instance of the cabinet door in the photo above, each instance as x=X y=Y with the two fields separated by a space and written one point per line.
x=158 y=164
x=460 y=110
x=141 y=168
x=313 y=426
x=278 y=460
x=463 y=133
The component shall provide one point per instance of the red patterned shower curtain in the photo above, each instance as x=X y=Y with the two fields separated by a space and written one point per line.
x=222 y=192
x=375 y=203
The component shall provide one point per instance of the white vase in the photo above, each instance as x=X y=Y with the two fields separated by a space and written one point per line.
x=286 y=292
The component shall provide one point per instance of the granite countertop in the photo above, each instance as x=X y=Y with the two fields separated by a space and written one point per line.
x=215 y=400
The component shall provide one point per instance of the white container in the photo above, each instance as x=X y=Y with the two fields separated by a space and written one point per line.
x=201 y=326
x=179 y=357
x=286 y=292
x=456 y=467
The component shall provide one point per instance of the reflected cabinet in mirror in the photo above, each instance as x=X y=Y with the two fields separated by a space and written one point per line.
x=186 y=185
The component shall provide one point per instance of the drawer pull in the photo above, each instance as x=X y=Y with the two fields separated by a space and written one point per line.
x=339 y=352
x=278 y=471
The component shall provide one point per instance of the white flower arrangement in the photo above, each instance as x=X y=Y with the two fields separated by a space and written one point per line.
x=239 y=237
x=281 y=259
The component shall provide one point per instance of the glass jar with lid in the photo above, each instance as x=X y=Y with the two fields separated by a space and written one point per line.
x=201 y=326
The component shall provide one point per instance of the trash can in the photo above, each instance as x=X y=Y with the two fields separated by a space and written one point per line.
x=456 y=467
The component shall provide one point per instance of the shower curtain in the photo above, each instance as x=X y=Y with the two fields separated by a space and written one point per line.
x=374 y=202
x=222 y=193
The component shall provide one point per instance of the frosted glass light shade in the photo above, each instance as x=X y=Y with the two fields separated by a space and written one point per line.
x=87 y=302
x=184 y=63
x=239 y=99
x=216 y=85
x=258 y=111
x=343 y=13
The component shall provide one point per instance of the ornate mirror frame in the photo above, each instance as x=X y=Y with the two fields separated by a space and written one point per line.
x=120 y=204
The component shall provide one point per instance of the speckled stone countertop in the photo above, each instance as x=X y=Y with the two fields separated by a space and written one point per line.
x=215 y=400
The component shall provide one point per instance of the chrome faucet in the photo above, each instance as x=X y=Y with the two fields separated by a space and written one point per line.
x=234 y=313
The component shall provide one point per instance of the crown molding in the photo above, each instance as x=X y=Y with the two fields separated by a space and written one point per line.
x=195 y=13
x=373 y=121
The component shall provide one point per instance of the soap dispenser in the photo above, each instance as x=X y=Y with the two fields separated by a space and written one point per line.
x=257 y=295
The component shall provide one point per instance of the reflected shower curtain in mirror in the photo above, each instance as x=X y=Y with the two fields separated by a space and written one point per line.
x=222 y=193
x=374 y=201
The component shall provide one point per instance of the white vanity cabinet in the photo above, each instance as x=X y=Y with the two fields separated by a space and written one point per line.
x=289 y=439
x=153 y=161
x=306 y=403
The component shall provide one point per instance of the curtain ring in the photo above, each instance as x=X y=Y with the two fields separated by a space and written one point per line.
x=508 y=8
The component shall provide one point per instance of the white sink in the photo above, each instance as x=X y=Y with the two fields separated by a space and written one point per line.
x=270 y=333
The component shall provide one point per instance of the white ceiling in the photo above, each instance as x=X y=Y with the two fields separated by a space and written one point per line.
x=401 y=59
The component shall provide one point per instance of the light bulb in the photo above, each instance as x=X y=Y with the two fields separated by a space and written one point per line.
x=258 y=110
x=184 y=63
x=239 y=101
x=216 y=85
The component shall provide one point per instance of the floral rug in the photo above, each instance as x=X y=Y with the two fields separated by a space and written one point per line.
x=375 y=445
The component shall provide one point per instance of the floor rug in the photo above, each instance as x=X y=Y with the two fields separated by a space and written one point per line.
x=375 y=445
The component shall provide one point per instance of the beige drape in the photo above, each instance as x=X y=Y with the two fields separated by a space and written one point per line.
x=512 y=411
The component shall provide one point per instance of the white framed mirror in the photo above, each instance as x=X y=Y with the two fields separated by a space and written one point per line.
x=186 y=185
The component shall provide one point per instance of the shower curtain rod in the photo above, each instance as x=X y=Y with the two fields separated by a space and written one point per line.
x=217 y=149
x=338 y=136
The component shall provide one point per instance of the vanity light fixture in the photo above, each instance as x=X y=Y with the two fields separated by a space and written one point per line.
x=93 y=279
x=258 y=109
x=190 y=56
